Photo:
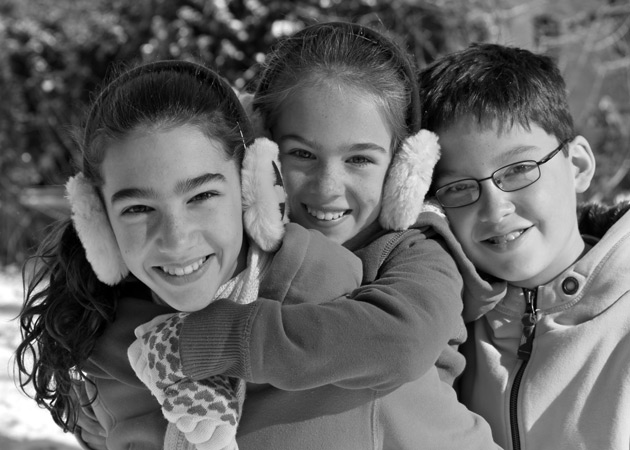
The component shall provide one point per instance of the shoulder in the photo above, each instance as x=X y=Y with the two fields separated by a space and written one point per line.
x=414 y=247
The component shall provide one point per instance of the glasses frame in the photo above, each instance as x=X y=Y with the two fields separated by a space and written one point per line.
x=538 y=163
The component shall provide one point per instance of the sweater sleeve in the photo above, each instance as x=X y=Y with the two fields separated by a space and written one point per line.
x=311 y=268
x=383 y=334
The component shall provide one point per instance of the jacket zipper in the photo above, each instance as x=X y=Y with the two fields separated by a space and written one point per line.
x=529 y=320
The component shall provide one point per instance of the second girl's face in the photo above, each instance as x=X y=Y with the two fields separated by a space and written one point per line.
x=174 y=203
x=335 y=149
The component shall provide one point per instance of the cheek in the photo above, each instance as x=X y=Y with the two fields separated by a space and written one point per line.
x=125 y=237
x=461 y=223
x=293 y=184
x=132 y=247
x=227 y=228
x=369 y=190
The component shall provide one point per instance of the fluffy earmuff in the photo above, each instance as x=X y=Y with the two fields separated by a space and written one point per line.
x=95 y=232
x=408 y=181
x=264 y=200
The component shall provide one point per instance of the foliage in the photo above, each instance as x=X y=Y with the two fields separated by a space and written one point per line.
x=56 y=54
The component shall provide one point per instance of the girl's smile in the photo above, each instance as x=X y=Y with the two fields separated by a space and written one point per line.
x=179 y=270
x=327 y=215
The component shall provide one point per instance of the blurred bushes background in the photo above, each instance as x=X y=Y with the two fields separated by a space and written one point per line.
x=54 y=54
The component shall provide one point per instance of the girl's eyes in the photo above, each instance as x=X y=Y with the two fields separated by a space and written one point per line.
x=135 y=209
x=204 y=196
x=301 y=153
x=359 y=160
x=305 y=154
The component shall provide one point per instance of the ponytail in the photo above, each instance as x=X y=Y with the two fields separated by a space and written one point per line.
x=66 y=309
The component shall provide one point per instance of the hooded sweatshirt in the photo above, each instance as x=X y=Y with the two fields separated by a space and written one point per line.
x=569 y=385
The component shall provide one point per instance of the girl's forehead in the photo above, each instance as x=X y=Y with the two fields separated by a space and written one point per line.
x=317 y=115
x=165 y=156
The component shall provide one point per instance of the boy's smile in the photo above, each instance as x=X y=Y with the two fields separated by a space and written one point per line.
x=507 y=238
x=528 y=236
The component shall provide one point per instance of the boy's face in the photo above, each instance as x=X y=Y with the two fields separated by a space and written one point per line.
x=174 y=203
x=529 y=236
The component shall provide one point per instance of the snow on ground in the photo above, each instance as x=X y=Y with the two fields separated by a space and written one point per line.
x=23 y=425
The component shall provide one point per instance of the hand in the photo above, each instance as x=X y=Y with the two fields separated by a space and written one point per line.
x=206 y=411
x=154 y=355
x=89 y=432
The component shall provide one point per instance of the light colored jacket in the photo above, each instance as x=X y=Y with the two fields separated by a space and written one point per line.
x=573 y=392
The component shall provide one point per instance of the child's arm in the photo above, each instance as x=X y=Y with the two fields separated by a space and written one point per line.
x=383 y=335
x=207 y=410
x=388 y=332
x=311 y=268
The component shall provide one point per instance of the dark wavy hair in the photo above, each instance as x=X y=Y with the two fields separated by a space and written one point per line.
x=66 y=307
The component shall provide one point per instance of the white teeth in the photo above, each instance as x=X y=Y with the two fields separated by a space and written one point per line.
x=506 y=237
x=181 y=271
x=325 y=215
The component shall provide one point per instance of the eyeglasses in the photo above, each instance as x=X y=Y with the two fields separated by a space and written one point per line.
x=508 y=178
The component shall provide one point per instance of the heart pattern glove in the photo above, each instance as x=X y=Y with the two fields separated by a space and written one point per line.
x=206 y=411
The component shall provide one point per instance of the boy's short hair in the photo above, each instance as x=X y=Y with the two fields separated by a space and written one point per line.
x=498 y=85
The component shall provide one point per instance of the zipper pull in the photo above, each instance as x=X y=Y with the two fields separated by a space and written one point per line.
x=528 y=320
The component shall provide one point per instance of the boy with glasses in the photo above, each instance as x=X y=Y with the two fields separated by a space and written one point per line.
x=549 y=348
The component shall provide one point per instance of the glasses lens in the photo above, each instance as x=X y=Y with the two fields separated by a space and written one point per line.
x=459 y=193
x=516 y=176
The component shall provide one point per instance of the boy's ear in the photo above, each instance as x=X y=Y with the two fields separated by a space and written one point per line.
x=583 y=161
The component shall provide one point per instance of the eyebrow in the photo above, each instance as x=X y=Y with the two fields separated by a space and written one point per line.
x=181 y=187
x=191 y=184
x=518 y=150
x=354 y=147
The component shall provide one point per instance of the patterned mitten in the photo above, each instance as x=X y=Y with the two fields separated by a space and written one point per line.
x=206 y=411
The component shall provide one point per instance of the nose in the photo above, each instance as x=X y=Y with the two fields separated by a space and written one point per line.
x=173 y=231
x=328 y=180
x=494 y=203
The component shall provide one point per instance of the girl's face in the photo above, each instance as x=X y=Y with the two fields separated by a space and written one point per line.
x=174 y=203
x=335 y=149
